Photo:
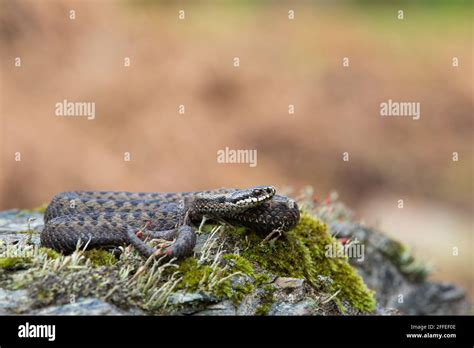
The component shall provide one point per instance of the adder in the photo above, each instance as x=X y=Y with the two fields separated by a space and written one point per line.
x=101 y=219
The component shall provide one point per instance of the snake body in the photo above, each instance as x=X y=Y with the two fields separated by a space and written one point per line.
x=102 y=219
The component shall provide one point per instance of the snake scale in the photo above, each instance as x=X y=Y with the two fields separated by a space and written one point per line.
x=100 y=219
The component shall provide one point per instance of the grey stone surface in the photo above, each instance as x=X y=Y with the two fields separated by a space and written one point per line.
x=186 y=298
x=306 y=307
x=433 y=299
x=250 y=303
x=13 y=301
x=289 y=290
x=400 y=283
x=14 y=224
x=85 y=306
x=391 y=279
x=191 y=302
x=221 y=308
x=289 y=283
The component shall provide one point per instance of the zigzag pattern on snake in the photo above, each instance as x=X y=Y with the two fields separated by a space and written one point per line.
x=110 y=219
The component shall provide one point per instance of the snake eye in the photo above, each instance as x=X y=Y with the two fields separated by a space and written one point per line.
x=264 y=191
x=271 y=190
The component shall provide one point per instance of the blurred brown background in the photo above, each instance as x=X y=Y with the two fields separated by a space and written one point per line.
x=282 y=62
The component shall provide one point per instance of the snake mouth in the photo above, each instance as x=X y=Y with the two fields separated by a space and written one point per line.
x=252 y=196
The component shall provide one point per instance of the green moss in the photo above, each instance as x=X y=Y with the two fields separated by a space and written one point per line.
x=239 y=264
x=44 y=296
x=340 y=306
x=239 y=291
x=263 y=309
x=261 y=278
x=14 y=263
x=100 y=257
x=217 y=280
x=207 y=228
x=402 y=258
x=241 y=231
x=301 y=253
x=193 y=274
x=266 y=300
x=52 y=254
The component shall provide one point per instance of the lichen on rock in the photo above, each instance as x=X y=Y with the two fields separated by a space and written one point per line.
x=231 y=265
x=233 y=271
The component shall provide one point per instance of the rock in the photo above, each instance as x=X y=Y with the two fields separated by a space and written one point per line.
x=221 y=308
x=306 y=307
x=14 y=224
x=190 y=302
x=290 y=290
x=85 y=306
x=386 y=311
x=186 y=298
x=397 y=278
x=250 y=303
x=289 y=283
x=200 y=241
x=289 y=297
x=434 y=299
x=13 y=301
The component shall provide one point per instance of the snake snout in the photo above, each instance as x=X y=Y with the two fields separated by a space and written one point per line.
x=252 y=196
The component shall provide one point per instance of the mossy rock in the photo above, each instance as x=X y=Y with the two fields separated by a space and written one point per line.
x=403 y=259
x=217 y=280
x=14 y=263
x=100 y=257
x=52 y=254
x=301 y=253
x=266 y=300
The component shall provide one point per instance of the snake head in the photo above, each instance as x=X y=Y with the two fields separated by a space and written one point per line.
x=252 y=197
x=234 y=201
